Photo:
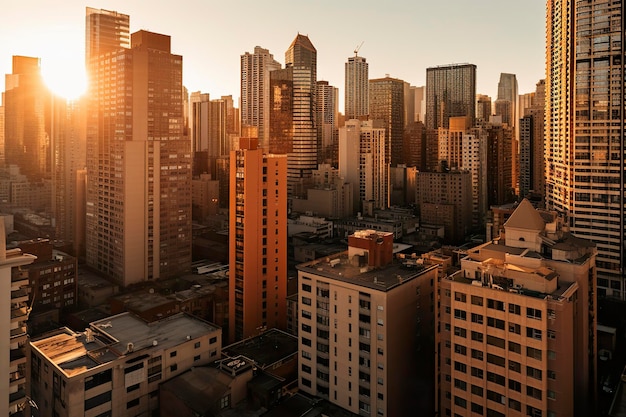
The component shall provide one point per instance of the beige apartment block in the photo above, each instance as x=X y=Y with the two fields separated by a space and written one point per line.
x=364 y=319
x=517 y=326
x=115 y=366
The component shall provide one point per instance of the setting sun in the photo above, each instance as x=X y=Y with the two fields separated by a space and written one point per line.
x=65 y=81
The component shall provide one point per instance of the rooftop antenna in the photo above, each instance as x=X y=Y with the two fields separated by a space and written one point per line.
x=356 y=50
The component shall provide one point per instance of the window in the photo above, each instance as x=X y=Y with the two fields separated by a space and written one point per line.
x=306 y=355
x=225 y=401
x=460 y=366
x=306 y=382
x=496 y=341
x=515 y=385
x=132 y=403
x=515 y=328
x=461 y=402
x=460 y=349
x=551 y=334
x=477 y=372
x=515 y=347
x=495 y=359
x=477 y=301
x=497 y=323
x=533 y=392
x=173 y=368
x=515 y=309
x=551 y=395
x=551 y=374
x=533 y=353
x=533 y=372
x=515 y=405
x=173 y=354
x=495 y=397
x=132 y=388
x=477 y=354
x=515 y=366
x=495 y=304
x=533 y=313
x=306 y=328
x=496 y=378
x=93 y=402
x=477 y=336
x=477 y=318
x=306 y=301
x=196 y=345
x=306 y=287
x=533 y=333
x=306 y=369
x=476 y=390
x=459 y=296
x=551 y=355
x=460 y=384
x=459 y=331
x=196 y=358
x=460 y=314
x=306 y=341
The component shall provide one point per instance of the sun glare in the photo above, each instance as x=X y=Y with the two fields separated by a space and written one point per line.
x=63 y=81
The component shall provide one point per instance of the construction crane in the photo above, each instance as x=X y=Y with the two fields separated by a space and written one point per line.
x=356 y=50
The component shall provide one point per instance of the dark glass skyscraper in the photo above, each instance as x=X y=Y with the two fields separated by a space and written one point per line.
x=450 y=92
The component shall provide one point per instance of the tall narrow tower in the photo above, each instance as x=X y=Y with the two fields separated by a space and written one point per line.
x=105 y=31
x=357 y=87
x=255 y=91
x=387 y=105
x=585 y=130
x=301 y=59
x=138 y=163
x=258 y=241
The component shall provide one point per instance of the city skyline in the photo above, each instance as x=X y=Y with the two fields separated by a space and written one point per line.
x=211 y=61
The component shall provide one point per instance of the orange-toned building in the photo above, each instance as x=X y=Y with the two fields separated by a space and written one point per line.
x=257 y=241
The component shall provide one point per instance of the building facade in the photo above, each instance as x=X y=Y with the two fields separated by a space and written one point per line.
x=257 y=241
x=517 y=326
x=357 y=88
x=585 y=135
x=139 y=177
x=387 y=106
x=355 y=311
x=255 y=91
x=450 y=91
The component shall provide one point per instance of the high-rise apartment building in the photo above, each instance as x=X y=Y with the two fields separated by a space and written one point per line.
x=483 y=109
x=364 y=321
x=105 y=31
x=209 y=136
x=506 y=106
x=585 y=171
x=301 y=59
x=363 y=162
x=531 y=144
x=257 y=241
x=255 y=91
x=516 y=325
x=138 y=163
x=14 y=283
x=27 y=119
x=357 y=88
x=387 y=105
x=326 y=122
x=450 y=92
x=68 y=142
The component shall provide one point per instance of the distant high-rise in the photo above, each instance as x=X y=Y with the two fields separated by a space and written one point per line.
x=357 y=88
x=387 y=105
x=138 y=164
x=483 y=109
x=209 y=133
x=506 y=106
x=326 y=122
x=255 y=91
x=585 y=130
x=105 y=31
x=258 y=241
x=27 y=119
x=301 y=57
x=531 y=143
x=363 y=162
x=450 y=92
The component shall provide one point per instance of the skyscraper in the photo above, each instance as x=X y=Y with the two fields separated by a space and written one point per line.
x=506 y=106
x=301 y=59
x=255 y=91
x=326 y=122
x=138 y=163
x=531 y=143
x=27 y=119
x=450 y=92
x=258 y=241
x=105 y=31
x=585 y=163
x=387 y=105
x=357 y=88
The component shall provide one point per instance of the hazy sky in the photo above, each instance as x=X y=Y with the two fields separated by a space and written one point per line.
x=400 y=37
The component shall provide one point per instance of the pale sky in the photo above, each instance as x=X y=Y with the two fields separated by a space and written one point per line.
x=400 y=37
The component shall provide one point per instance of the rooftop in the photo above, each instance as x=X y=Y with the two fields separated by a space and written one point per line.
x=265 y=349
x=110 y=338
x=384 y=278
